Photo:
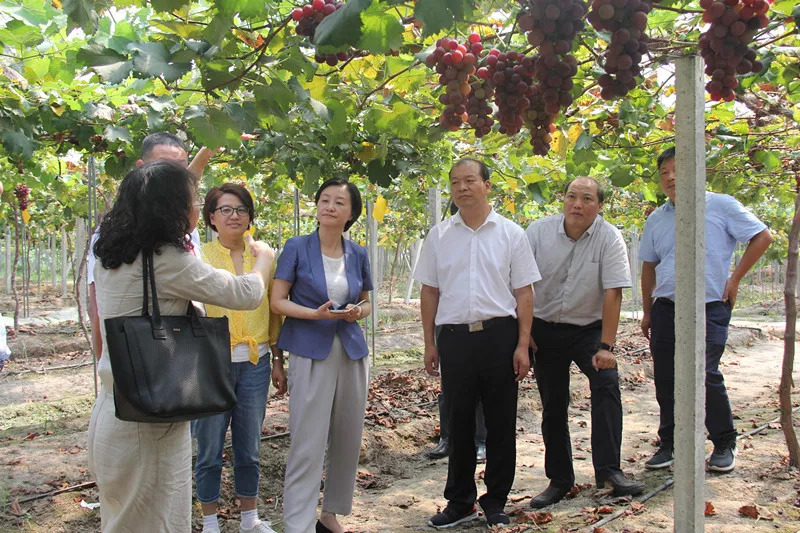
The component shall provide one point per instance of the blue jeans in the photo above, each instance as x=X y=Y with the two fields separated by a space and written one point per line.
x=251 y=383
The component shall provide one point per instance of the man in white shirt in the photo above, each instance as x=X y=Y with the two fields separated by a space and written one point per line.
x=156 y=146
x=476 y=270
x=584 y=265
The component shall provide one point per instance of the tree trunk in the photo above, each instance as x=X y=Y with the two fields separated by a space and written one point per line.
x=394 y=264
x=14 y=268
x=789 y=296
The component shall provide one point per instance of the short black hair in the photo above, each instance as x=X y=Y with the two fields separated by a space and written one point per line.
x=215 y=193
x=356 y=205
x=158 y=139
x=484 y=170
x=151 y=210
x=601 y=193
x=666 y=155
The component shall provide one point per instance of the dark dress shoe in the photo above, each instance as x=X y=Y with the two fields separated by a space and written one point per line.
x=322 y=529
x=623 y=486
x=440 y=450
x=551 y=495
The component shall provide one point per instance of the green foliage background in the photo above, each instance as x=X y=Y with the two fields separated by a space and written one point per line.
x=94 y=77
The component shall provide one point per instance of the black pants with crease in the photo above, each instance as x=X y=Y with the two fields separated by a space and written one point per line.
x=479 y=366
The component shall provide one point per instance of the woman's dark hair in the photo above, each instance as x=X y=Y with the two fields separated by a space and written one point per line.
x=215 y=193
x=151 y=210
x=355 y=198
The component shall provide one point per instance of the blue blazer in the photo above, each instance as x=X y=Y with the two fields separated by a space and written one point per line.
x=300 y=263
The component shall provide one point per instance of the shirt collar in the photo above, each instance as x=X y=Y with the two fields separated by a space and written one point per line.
x=597 y=220
x=492 y=217
x=669 y=205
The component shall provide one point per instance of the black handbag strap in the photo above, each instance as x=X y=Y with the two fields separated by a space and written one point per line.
x=159 y=332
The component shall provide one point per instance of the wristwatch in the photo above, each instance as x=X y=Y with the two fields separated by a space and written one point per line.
x=605 y=346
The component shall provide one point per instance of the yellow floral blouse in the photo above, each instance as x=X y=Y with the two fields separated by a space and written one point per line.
x=247 y=327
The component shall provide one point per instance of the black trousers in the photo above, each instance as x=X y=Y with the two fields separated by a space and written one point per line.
x=719 y=418
x=479 y=366
x=558 y=346
x=445 y=408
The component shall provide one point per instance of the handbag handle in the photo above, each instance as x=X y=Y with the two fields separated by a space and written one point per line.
x=159 y=332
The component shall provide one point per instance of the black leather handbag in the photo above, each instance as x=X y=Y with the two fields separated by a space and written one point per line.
x=169 y=368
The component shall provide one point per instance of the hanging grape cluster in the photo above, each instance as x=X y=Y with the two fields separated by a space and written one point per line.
x=626 y=21
x=308 y=18
x=456 y=64
x=551 y=26
x=724 y=46
x=21 y=191
x=511 y=74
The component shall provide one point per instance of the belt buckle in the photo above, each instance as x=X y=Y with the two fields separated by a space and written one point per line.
x=475 y=326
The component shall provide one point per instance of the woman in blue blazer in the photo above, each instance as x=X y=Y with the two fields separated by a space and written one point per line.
x=321 y=286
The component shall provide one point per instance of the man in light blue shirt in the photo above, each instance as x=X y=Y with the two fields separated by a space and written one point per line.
x=727 y=222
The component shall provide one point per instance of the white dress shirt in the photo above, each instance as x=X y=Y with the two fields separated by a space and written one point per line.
x=576 y=273
x=476 y=271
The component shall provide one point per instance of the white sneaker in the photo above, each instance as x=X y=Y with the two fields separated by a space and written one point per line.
x=260 y=527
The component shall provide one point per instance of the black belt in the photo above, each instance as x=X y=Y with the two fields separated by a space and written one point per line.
x=709 y=305
x=564 y=325
x=480 y=325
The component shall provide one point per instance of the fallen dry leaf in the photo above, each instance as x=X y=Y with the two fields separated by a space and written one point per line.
x=710 y=511
x=750 y=511
x=15 y=509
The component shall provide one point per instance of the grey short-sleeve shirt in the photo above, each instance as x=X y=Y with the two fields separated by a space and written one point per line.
x=575 y=274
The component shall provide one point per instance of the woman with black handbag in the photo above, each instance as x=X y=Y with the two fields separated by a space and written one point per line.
x=143 y=470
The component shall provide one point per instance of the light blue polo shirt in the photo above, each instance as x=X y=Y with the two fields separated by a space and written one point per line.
x=727 y=221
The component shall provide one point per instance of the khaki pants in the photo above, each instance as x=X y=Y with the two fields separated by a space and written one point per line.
x=143 y=471
x=327 y=400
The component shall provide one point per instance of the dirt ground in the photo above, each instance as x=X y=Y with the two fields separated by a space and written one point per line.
x=45 y=413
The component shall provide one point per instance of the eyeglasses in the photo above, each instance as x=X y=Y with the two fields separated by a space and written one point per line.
x=227 y=210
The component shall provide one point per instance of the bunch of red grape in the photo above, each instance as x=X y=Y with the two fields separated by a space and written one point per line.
x=511 y=74
x=455 y=63
x=479 y=110
x=308 y=18
x=724 y=46
x=553 y=21
x=21 y=191
x=555 y=75
x=539 y=121
x=626 y=20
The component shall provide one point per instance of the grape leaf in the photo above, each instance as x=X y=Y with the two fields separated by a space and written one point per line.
x=381 y=31
x=152 y=59
x=342 y=28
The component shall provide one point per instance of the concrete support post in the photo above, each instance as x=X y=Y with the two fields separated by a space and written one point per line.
x=8 y=260
x=80 y=277
x=634 y=264
x=296 y=212
x=372 y=249
x=415 y=250
x=53 y=269
x=690 y=311
x=64 y=266
x=434 y=206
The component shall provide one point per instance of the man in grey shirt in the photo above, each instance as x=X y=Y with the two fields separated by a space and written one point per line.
x=584 y=266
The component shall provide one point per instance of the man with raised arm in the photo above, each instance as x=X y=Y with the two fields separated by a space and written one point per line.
x=156 y=146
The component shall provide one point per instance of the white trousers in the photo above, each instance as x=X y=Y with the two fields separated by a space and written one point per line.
x=327 y=400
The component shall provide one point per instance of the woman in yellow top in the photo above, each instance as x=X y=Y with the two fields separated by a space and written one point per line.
x=229 y=211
